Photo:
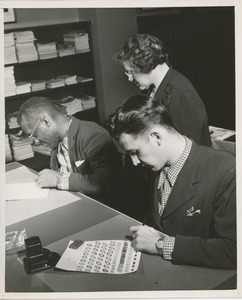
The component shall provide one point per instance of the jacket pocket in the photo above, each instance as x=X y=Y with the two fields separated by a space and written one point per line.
x=197 y=225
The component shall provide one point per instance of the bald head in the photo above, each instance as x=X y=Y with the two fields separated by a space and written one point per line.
x=36 y=107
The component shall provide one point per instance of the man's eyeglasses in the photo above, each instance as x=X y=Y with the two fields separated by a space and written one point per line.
x=35 y=127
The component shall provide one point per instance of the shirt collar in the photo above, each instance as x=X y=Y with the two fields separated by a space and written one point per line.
x=171 y=173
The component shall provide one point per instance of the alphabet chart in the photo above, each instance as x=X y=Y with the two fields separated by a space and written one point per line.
x=104 y=256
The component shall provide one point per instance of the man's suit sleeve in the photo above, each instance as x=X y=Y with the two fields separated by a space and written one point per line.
x=219 y=251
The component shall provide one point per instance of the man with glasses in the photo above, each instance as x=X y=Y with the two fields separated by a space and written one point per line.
x=83 y=159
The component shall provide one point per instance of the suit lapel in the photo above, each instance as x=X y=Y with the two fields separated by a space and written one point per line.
x=183 y=189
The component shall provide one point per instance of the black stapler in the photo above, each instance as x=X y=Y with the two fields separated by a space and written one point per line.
x=38 y=258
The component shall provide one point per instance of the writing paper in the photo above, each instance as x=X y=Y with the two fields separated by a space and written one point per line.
x=20 y=184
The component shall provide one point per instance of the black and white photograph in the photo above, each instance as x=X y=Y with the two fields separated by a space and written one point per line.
x=119 y=178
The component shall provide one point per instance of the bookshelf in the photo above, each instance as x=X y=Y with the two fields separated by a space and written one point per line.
x=201 y=45
x=49 y=67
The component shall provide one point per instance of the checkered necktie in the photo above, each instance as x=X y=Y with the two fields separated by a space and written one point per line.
x=165 y=189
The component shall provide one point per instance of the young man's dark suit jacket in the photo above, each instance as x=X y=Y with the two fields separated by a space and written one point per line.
x=94 y=159
x=187 y=111
x=206 y=183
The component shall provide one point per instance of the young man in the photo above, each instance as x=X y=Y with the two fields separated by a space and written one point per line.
x=84 y=158
x=145 y=61
x=192 y=210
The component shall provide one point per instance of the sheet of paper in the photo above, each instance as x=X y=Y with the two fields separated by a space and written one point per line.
x=104 y=256
x=20 y=184
x=27 y=190
x=20 y=175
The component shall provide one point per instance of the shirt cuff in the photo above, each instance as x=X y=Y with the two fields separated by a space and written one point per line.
x=168 y=247
x=63 y=180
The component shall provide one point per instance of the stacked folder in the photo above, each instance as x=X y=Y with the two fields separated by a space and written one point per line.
x=83 y=79
x=55 y=83
x=38 y=85
x=68 y=79
x=47 y=50
x=88 y=102
x=22 y=148
x=73 y=106
x=9 y=80
x=23 y=87
x=10 y=56
x=66 y=49
x=26 y=50
x=79 y=39
x=12 y=121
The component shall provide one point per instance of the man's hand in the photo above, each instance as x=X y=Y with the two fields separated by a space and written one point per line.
x=145 y=237
x=47 y=178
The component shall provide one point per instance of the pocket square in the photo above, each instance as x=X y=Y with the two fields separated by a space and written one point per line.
x=79 y=162
x=192 y=212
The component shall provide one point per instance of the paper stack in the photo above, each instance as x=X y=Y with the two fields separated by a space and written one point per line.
x=22 y=147
x=83 y=79
x=68 y=79
x=47 y=50
x=79 y=39
x=88 y=102
x=10 y=56
x=73 y=106
x=42 y=148
x=23 y=87
x=10 y=86
x=8 y=155
x=26 y=50
x=55 y=83
x=37 y=85
x=66 y=49
x=12 y=120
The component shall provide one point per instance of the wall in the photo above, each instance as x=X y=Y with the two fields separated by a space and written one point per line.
x=111 y=27
x=42 y=16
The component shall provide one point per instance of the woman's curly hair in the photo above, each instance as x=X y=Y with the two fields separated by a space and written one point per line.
x=143 y=52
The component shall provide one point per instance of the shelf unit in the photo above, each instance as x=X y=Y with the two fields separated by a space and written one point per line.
x=201 y=45
x=80 y=64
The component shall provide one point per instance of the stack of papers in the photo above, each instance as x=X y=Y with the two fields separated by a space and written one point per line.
x=83 y=79
x=9 y=80
x=10 y=56
x=55 y=83
x=22 y=147
x=8 y=155
x=23 y=87
x=26 y=50
x=37 y=85
x=68 y=79
x=73 y=106
x=66 y=49
x=12 y=120
x=47 y=50
x=88 y=102
x=42 y=148
x=79 y=39
x=220 y=133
